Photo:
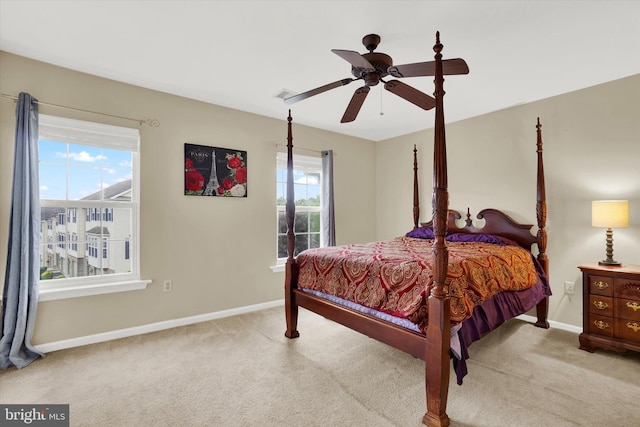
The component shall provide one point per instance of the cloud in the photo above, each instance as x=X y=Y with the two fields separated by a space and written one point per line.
x=82 y=156
x=307 y=179
x=44 y=188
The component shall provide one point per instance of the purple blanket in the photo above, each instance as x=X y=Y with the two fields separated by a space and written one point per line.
x=495 y=311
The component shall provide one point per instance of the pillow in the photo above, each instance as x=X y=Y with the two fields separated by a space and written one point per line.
x=421 y=233
x=427 y=233
x=480 y=237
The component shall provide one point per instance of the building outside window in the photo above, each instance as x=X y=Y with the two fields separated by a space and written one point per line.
x=89 y=199
x=306 y=177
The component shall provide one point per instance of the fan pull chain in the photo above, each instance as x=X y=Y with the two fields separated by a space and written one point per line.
x=381 y=112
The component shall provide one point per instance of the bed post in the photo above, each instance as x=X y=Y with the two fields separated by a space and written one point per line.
x=416 y=195
x=541 y=213
x=291 y=268
x=438 y=331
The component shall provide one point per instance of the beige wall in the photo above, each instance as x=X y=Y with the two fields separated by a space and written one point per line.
x=216 y=251
x=591 y=151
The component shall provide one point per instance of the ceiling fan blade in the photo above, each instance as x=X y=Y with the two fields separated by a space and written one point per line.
x=411 y=94
x=354 y=105
x=316 y=91
x=355 y=59
x=449 y=67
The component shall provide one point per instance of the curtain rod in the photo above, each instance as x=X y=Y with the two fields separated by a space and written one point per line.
x=305 y=149
x=150 y=122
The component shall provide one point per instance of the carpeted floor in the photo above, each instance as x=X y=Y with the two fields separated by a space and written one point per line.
x=242 y=371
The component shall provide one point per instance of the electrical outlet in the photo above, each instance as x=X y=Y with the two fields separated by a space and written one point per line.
x=168 y=286
x=569 y=288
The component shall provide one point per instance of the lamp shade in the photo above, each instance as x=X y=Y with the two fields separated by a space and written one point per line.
x=610 y=213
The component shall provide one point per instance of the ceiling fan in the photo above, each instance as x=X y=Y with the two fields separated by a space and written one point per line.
x=372 y=67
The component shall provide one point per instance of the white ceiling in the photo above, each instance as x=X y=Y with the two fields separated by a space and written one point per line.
x=240 y=54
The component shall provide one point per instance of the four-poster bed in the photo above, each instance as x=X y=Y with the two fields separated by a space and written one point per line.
x=427 y=276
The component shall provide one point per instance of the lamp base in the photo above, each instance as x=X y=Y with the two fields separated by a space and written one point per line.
x=609 y=259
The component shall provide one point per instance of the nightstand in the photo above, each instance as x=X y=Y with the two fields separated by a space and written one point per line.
x=611 y=307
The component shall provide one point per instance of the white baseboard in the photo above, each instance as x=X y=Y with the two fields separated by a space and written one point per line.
x=552 y=323
x=153 y=327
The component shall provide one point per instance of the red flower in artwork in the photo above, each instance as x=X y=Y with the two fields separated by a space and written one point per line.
x=227 y=183
x=188 y=163
x=234 y=163
x=220 y=190
x=241 y=175
x=194 y=181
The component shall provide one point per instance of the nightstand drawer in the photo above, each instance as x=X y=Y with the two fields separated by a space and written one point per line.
x=627 y=309
x=627 y=288
x=601 y=325
x=601 y=305
x=601 y=285
x=610 y=307
x=628 y=330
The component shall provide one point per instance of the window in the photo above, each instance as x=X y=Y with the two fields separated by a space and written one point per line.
x=92 y=246
x=89 y=200
x=306 y=178
x=107 y=215
x=74 y=242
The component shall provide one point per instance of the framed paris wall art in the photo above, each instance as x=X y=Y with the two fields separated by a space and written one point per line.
x=214 y=171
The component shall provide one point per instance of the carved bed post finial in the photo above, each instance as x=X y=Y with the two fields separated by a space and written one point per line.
x=291 y=268
x=541 y=213
x=468 y=221
x=440 y=193
x=416 y=197
x=290 y=206
x=438 y=332
x=541 y=206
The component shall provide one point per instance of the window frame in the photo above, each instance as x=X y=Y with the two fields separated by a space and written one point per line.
x=85 y=133
x=304 y=164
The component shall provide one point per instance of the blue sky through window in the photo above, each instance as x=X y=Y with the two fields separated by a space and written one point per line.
x=79 y=169
x=305 y=186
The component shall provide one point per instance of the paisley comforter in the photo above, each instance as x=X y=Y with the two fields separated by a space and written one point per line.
x=393 y=276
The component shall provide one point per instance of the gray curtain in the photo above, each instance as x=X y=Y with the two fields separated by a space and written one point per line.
x=20 y=294
x=328 y=236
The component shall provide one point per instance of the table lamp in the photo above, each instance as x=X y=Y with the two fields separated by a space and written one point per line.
x=610 y=214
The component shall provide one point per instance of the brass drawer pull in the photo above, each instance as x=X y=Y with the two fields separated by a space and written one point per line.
x=603 y=325
x=601 y=285
x=633 y=326
x=633 y=305
x=601 y=305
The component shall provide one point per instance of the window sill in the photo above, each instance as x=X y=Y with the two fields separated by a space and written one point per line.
x=88 y=290
x=278 y=268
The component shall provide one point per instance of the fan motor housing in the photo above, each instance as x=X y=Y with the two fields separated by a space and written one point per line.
x=380 y=61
